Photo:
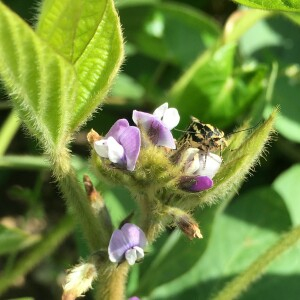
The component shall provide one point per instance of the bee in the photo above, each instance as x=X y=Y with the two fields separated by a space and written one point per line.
x=205 y=137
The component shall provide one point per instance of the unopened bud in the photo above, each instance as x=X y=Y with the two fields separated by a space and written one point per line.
x=93 y=136
x=185 y=222
x=189 y=227
x=79 y=280
x=94 y=197
x=195 y=183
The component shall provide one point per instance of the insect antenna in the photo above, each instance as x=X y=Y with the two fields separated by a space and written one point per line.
x=184 y=131
x=247 y=129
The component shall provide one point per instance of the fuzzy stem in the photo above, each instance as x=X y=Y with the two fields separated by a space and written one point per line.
x=242 y=282
x=111 y=283
x=24 y=162
x=151 y=220
x=8 y=131
x=96 y=236
x=44 y=248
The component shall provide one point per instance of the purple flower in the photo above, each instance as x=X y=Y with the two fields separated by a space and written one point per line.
x=121 y=145
x=199 y=169
x=127 y=243
x=158 y=126
x=134 y=298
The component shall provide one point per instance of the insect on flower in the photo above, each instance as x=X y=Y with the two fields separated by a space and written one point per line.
x=205 y=137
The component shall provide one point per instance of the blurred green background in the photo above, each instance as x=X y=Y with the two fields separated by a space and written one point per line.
x=214 y=60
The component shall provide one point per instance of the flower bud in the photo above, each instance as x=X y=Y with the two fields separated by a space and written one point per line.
x=189 y=226
x=195 y=183
x=79 y=280
x=93 y=136
x=184 y=222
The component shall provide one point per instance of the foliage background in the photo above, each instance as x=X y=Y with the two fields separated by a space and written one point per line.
x=182 y=52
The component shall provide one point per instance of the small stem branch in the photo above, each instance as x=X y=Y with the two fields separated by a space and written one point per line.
x=40 y=251
x=242 y=282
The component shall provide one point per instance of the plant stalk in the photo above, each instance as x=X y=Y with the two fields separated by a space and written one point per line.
x=77 y=201
x=241 y=283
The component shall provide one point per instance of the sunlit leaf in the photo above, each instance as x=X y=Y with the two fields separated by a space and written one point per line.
x=215 y=90
x=42 y=83
x=88 y=35
x=154 y=30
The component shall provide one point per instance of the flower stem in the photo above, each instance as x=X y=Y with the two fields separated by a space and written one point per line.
x=41 y=250
x=242 y=282
x=111 y=282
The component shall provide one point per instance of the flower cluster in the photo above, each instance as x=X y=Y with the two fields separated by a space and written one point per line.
x=146 y=151
x=122 y=146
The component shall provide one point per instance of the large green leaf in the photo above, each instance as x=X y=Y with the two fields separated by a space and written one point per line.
x=247 y=228
x=169 y=32
x=287 y=185
x=41 y=83
x=177 y=248
x=281 y=5
x=88 y=35
x=266 y=42
x=216 y=91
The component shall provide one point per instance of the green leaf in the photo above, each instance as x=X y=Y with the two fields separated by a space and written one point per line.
x=154 y=30
x=281 y=5
x=239 y=235
x=88 y=35
x=286 y=93
x=215 y=90
x=40 y=81
x=177 y=248
x=287 y=186
x=13 y=240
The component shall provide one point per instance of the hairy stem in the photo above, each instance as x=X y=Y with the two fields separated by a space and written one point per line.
x=111 y=283
x=40 y=251
x=242 y=282
x=76 y=198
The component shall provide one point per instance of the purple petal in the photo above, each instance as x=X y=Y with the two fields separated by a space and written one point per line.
x=163 y=136
x=159 y=134
x=196 y=183
x=134 y=298
x=143 y=119
x=117 y=129
x=118 y=245
x=130 y=139
x=134 y=235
